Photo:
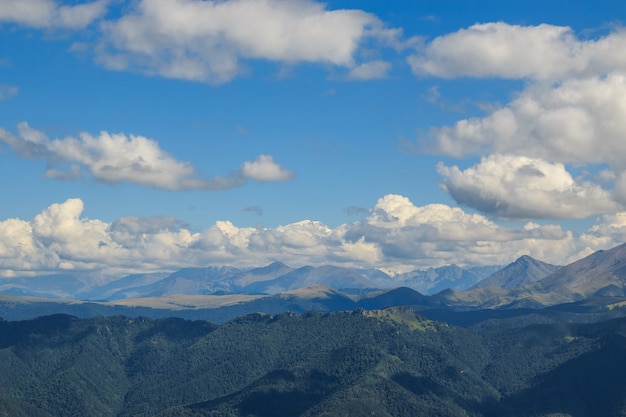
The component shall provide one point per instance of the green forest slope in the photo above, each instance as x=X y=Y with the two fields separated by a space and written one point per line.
x=360 y=363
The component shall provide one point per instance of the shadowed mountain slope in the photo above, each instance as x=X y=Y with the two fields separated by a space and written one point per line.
x=384 y=362
x=601 y=273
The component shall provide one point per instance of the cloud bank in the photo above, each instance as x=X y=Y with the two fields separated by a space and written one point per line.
x=396 y=234
x=115 y=158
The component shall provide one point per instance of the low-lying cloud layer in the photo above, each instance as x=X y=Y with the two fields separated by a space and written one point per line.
x=114 y=158
x=396 y=234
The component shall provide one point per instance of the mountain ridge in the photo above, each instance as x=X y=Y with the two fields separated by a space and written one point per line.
x=278 y=288
x=270 y=279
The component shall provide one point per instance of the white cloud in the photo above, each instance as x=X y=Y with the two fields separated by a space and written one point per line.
x=370 y=70
x=265 y=169
x=396 y=235
x=517 y=187
x=20 y=252
x=45 y=14
x=510 y=51
x=571 y=111
x=60 y=229
x=206 y=40
x=563 y=124
x=437 y=234
x=114 y=158
x=434 y=234
x=608 y=231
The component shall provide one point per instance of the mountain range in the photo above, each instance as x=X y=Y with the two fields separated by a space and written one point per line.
x=220 y=294
x=271 y=279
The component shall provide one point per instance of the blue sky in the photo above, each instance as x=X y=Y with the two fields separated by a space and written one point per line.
x=141 y=135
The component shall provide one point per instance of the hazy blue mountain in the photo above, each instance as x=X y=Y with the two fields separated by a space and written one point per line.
x=333 y=276
x=433 y=280
x=196 y=281
x=379 y=278
x=266 y=273
x=524 y=270
x=123 y=287
x=271 y=279
x=484 y=271
x=50 y=286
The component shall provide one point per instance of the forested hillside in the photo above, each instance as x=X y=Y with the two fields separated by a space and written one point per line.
x=385 y=363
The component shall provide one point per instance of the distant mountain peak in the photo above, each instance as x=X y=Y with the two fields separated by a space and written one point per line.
x=524 y=270
x=274 y=266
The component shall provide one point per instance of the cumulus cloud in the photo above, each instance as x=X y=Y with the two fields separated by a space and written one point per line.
x=563 y=124
x=396 y=234
x=21 y=252
x=518 y=187
x=434 y=234
x=370 y=70
x=214 y=40
x=139 y=225
x=265 y=169
x=45 y=14
x=114 y=158
x=608 y=231
x=569 y=112
x=207 y=40
x=498 y=49
x=578 y=121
